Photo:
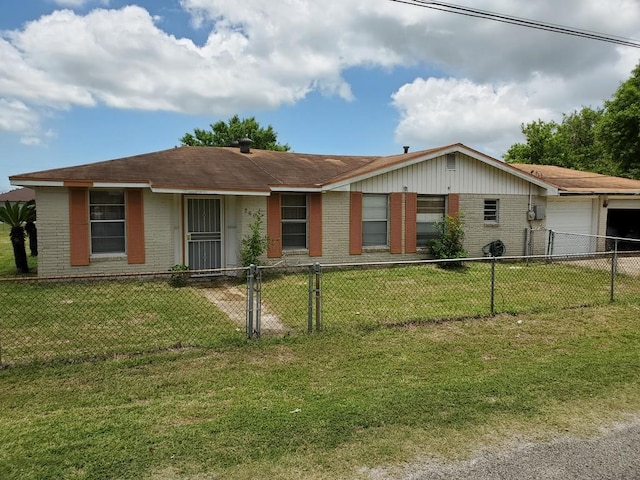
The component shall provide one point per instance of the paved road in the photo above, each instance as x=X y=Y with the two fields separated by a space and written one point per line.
x=614 y=456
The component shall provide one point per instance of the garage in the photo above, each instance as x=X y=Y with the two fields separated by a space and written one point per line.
x=623 y=220
x=571 y=215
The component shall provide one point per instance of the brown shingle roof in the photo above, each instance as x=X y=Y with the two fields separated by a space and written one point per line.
x=209 y=168
x=576 y=181
x=18 y=195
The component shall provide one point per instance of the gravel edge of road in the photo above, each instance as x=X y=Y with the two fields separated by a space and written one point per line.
x=613 y=453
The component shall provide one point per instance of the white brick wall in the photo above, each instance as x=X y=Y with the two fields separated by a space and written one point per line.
x=160 y=220
x=163 y=234
x=510 y=228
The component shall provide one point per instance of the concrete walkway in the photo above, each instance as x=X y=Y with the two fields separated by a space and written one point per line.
x=232 y=301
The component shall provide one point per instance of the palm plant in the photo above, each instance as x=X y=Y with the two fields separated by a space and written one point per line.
x=32 y=231
x=16 y=216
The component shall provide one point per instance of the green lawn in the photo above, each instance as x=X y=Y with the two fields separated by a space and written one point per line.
x=75 y=320
x=322 y=406
x=357 y=299
x=387 y=382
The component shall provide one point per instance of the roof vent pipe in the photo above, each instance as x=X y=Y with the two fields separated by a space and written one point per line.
x=406 y=149
x=245 y=144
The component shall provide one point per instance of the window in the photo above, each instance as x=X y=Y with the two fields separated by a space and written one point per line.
x=431 y=209
x=375 y=217
x=294 y=221
x=451 y=161
x=491 y=210
x=106 y=215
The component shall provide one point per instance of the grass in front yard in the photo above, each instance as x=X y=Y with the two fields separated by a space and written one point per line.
x=356 y=299
x=321 y=406
x=68 y=320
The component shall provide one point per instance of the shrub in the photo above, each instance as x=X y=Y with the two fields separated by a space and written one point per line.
x=255 y=243
x=179 y=276
x=449 y=244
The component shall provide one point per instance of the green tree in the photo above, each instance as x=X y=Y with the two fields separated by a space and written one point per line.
x=579 y=144
x=225 y=134
x=16 y=216
x=619 y=130
x=541 y=147
x=573 y=143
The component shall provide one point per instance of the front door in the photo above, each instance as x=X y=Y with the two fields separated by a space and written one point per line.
x=203 y=228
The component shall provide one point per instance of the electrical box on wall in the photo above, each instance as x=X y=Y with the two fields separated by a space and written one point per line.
x=539 y=212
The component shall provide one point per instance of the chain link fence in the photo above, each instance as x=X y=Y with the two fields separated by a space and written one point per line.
x=541 y=241
x=79 y=318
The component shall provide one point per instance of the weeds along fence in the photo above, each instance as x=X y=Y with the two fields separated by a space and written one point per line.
x=76 y=318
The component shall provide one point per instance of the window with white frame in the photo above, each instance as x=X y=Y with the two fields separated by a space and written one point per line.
x=431 y=209
x=491 y=210
x=294 y=221
x=106 y=216
x=375 y=220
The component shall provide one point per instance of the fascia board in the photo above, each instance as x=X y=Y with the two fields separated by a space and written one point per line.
x=186 y=191
x=36 y=183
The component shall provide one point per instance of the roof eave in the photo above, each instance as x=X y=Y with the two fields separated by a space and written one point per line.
x=566 y=192
x=296 y=188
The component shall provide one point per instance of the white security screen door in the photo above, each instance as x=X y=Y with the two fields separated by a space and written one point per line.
x=204 y=233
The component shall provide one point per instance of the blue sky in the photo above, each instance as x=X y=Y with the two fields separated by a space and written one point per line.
x=90 y=80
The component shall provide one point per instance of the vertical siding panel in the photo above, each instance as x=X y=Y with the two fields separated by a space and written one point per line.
x=79 y=226
x=395 y=222
x=274 y=230
x=355 y=224
x=135 y=227
x=411 y=217
x=315 y=224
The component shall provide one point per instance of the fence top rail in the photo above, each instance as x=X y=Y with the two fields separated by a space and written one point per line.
x=94 y=276
x=608 y=237
x=523 y=258
x=222 y=271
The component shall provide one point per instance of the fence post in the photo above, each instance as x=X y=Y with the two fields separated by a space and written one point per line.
x=318 y=272
x=258 y=299
x=614 y=268
x=250 y=281
x=310 y=300
x=493 y=284
x=550 y=243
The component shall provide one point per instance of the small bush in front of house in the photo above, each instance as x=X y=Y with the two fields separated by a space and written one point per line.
x=179 y=276
x=255 y=243
x=449 y=244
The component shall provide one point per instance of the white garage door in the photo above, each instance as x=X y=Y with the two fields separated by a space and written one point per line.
x=571 y=216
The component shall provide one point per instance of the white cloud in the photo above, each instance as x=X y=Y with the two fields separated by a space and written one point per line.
x=443 y=111
x=266 y=54
x=15 y=116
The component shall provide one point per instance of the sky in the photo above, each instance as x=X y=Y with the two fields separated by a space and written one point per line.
x=90 y=80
